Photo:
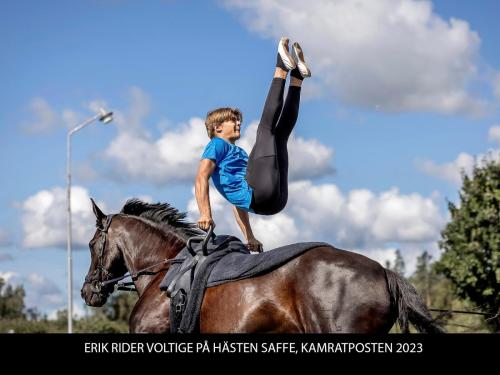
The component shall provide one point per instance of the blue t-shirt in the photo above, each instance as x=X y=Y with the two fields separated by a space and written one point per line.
x=230 y=171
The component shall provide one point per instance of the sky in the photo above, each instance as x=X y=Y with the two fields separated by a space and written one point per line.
x=404 y=95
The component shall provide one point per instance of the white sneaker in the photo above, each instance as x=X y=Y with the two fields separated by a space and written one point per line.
x=285 y=54
x=298 y=57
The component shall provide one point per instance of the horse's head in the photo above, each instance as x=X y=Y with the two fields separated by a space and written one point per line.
x=106 y=260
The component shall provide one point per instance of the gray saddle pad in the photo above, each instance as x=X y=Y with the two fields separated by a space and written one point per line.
x=238 y=266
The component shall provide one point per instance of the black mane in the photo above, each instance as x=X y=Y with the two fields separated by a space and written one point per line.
x=167 y=218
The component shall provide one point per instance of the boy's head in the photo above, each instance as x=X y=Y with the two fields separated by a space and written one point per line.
x=224 y=123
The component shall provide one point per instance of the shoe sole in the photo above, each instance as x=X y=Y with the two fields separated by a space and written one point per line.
x=298 y=56
x=285 y=55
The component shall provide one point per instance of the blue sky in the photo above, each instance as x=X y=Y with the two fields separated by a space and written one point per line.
x=404 y=93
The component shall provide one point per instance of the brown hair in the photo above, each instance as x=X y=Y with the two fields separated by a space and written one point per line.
x=218 y=116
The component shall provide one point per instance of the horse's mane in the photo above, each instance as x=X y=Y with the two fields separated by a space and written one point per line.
x=166 y=217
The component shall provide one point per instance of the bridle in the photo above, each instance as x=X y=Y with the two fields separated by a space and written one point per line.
x=96 y=278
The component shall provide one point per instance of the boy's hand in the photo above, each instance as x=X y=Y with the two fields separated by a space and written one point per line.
x=204 y=222
x=255 y=245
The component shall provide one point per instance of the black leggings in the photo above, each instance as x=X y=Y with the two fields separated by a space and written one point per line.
x=267 y=170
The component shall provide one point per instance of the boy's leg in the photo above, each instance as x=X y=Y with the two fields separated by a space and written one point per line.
x=283 y=130
x=290 y=112
x=264 y=141
x=270 y=174
x=263 y=169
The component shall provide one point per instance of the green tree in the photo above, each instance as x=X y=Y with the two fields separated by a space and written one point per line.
x=471 y=241
x=32 y=313
x=112 y=317
x=424 y=278
x=11 y=301
x=434 y=288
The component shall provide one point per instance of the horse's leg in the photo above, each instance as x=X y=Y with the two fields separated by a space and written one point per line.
x=151 y=312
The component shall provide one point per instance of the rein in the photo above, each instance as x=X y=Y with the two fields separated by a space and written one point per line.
x=125 y=285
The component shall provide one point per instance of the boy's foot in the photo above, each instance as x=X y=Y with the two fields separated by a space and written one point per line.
x=285 y=60
x=302 y=70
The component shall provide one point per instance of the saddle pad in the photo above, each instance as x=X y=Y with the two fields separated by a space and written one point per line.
x=237 y=266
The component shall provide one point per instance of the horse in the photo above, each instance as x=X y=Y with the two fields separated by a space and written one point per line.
x=324 y=290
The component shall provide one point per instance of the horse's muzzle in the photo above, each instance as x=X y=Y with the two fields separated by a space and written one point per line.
x=96 y=286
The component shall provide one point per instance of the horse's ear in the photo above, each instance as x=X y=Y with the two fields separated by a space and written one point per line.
x=98 y=213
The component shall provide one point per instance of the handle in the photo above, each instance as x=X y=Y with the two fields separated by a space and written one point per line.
x=210 y=233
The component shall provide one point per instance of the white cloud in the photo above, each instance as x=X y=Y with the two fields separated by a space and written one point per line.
x=174 y=156
x=44 y=218
x=448 y=171
x=277 y=230
x=171 y=158
x=452 y=171
x=494 y=134
x=360 y=220
x=46 y=119
x=393 y=55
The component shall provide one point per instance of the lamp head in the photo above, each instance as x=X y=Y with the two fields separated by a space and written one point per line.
x=106 y=116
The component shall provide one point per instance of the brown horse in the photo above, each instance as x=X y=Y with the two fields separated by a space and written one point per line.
x=323 y=290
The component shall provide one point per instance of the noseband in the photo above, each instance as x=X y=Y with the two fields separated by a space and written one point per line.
x=95 y=280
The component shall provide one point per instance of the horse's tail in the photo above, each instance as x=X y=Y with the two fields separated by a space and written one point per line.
x=409 y=305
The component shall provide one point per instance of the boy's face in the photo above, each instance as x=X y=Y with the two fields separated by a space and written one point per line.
x=229 y=130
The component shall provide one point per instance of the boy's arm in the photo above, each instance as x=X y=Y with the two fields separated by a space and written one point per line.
x=243 y=221
x=201 y=189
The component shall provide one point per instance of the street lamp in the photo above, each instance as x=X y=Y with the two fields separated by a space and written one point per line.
x=105 y=117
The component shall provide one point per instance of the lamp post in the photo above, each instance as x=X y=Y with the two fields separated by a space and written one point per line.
x=105 y=117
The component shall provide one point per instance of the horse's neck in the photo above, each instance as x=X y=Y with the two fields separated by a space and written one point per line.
x=147 y=247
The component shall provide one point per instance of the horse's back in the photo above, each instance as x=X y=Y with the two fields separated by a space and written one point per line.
x=323 y=290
